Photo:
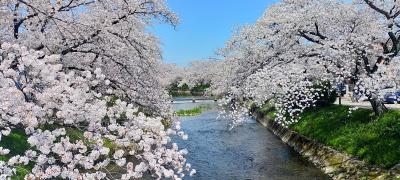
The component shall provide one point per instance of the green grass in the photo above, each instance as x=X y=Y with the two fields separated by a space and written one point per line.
x=361 y=134
x=192 y=112
x=17 y=143
x=267 y=110
x=189 y=112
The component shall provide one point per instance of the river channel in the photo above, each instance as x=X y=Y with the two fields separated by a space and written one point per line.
x=249 y=151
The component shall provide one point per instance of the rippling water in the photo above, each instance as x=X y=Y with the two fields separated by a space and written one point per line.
x=246 y=152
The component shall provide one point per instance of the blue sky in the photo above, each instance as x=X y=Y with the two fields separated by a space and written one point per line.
x=204 y=27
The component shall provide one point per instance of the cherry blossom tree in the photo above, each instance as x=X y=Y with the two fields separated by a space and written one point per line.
x=171 y=73
x=90 y=34
x=297 y=45
x=202 y=72
x=46 y=101
x=354 y=37
x=92 y=67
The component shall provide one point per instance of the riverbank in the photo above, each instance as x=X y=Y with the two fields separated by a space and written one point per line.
x=344 y=145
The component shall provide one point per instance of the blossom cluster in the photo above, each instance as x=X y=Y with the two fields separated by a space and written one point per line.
x=112 y=35
x=233 y=110
x=47 y=101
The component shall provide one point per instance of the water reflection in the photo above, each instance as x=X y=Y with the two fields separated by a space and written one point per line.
x=247 y=152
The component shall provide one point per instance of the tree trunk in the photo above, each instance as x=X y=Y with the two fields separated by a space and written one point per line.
x=377 y=105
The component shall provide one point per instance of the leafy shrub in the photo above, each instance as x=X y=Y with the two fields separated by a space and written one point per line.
x=326 y=95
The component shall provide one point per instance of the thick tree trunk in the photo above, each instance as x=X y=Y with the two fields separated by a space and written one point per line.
x=377 y=105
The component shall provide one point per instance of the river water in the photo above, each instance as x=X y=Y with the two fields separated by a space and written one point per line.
x=249 y=151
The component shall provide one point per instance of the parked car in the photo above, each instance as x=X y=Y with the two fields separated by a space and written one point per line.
x=361 y=98
x=341 y=89
x=358 y=97
x=398 y=95
x=391 y=98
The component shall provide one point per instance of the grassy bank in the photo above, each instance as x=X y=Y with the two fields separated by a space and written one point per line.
x=267 y=110
x=361 y=134
x=192 y=112
x=17 y=143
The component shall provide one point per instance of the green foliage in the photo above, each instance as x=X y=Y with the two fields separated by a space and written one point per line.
x=189 y=112
x=266 y=110
x=167 y=123
x=326 y=96
x=185 y=87
x=184 y=91
x=143 y=110
x=21 y=171
x=200 y=89
x=192 y=112
x=111 y=145
x=17 y=143
x=122 y=118
x=176 y=87
x=361 y=134
x=112 y=101
x=74 y=134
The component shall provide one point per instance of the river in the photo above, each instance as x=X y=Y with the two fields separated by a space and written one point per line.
x=249 y=151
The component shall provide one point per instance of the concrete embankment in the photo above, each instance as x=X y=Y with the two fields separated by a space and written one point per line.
x=336 y=164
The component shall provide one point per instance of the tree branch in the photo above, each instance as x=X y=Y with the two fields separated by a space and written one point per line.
x=381 y=11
